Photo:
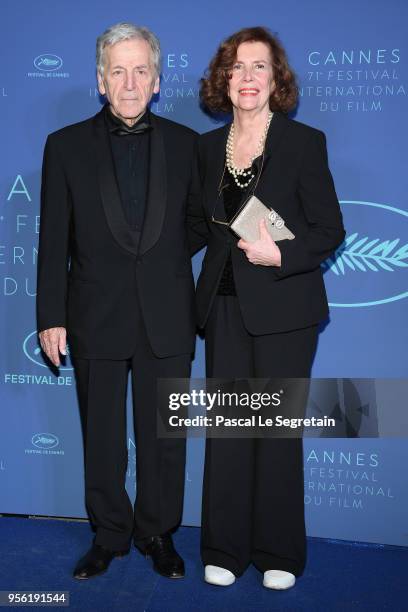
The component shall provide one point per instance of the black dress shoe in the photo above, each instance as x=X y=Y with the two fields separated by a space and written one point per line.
x=166 y=560
x=96 y=561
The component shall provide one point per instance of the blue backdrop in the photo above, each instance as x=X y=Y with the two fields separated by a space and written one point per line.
x=351 y=60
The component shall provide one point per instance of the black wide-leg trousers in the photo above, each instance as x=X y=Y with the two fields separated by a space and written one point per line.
x=253 y=497
x=160 y=463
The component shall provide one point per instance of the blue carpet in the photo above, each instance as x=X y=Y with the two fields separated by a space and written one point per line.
x=40 y=554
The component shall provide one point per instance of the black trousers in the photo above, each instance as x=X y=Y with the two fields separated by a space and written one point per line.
x=160 y=463
x=253 y=498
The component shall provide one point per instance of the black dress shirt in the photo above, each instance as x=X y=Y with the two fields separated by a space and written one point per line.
x=130 y=150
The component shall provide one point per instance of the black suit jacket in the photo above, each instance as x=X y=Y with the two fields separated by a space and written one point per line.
x=91 y=274
x=297 y=183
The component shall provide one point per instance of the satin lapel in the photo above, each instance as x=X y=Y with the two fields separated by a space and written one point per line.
x=109 y=190
x=274 y=138
x=157 y=190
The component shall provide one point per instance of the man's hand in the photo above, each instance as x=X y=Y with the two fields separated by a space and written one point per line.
x=53 y=342
x=264 y=251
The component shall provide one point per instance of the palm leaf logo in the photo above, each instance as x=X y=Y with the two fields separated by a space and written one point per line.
x=362 y=254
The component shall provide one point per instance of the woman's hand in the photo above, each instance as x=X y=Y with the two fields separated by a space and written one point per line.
x=264 y=251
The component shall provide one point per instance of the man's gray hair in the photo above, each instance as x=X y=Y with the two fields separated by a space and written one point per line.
x=126 y=31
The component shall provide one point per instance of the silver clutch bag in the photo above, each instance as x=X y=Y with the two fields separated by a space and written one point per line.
x=246 y=222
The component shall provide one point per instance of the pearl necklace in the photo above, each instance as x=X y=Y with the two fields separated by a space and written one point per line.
x=244 y=172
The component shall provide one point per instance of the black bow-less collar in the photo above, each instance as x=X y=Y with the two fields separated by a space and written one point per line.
x=118 y=127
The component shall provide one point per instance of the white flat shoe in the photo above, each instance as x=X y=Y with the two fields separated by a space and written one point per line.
x=218 y=575
x=278 y=579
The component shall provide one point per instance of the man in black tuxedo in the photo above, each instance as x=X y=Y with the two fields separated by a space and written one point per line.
x=115 y=278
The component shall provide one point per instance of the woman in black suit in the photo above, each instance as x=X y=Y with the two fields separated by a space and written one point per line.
x=260 y=303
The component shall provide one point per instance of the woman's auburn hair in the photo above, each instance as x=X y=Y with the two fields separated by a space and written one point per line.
x=214 y=85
